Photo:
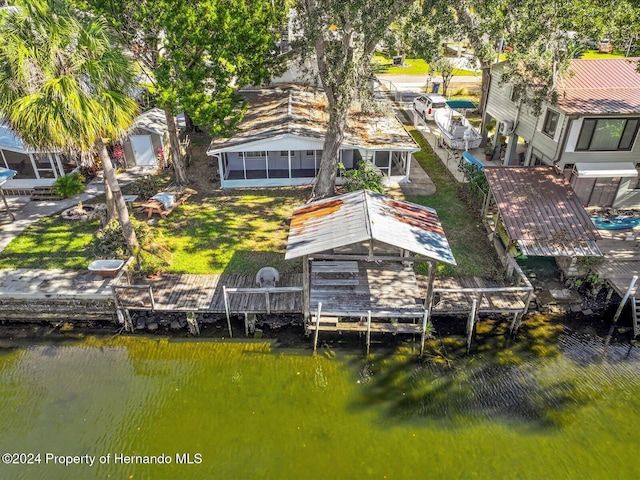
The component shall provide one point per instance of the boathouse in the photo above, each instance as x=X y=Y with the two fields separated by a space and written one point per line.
x=358 y=253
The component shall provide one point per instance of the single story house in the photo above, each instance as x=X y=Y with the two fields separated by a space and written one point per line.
x=280 y=140
x=34 y=168
x=590 y=134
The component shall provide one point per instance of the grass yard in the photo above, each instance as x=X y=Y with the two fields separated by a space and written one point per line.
x=51 y=243
x=412 y=66
x=232 y=232
x=472 y=250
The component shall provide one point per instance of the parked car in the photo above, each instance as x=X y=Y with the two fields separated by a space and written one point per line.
x=605 y=46
x=425 y=105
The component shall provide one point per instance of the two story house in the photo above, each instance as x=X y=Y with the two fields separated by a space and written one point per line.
x=590 y=134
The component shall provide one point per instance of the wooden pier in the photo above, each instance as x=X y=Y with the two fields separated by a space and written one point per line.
x=205 y=294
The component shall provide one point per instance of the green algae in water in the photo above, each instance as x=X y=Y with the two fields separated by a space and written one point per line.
x=254 y=412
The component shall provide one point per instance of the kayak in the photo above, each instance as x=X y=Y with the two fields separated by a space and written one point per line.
x=615 y=223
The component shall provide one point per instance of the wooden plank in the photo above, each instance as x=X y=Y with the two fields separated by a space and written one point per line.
x=335 y=281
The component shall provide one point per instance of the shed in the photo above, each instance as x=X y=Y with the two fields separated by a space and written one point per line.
x=147 y=138
x=358 y=252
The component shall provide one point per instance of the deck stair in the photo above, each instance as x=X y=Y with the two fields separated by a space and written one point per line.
x=635 y=304
x=43 y=194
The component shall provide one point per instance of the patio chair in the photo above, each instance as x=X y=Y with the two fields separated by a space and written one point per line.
x=267 y=277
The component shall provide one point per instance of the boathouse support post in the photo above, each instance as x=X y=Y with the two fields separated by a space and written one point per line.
x=226 y=309
x=368 y=331
x=428 y=301
x=634 y=279
x=306 y=287
x=315 y=337
x=425 y=320
x=192 y=322
x=471 y=323
x=515 y=323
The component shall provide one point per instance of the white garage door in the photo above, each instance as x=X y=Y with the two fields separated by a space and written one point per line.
x=143 y=150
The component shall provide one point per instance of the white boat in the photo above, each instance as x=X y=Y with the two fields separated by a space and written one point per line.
x=457 y=132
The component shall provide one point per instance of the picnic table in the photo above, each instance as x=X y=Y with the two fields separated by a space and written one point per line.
x=158 y=205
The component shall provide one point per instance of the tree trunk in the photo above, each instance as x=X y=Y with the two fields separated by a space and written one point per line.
x=112 y=214
x=324 y=185
x=176 y=155
x=121 y=207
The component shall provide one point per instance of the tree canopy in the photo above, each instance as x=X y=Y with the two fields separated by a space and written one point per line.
x=66 y=85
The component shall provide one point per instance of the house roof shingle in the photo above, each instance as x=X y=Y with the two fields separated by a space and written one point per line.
x=301 y=111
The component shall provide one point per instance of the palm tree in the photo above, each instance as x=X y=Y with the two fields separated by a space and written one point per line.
x=65 y=85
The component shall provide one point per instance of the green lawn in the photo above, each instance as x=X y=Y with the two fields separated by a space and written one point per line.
x=473 y=252
x=412 y=66
x=591 y=54
x=51 y=243
x=235 y=232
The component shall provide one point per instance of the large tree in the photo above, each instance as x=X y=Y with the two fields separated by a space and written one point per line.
x=342 y=35
x=65 y=85
x=198 y=53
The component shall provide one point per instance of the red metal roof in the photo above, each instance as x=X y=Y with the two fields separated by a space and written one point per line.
x=601 y=86
x=541 y=212
x=364 y=215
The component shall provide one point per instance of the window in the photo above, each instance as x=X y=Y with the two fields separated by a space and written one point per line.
x=254 y=154
x=550 y=123
x=607 y=134
x=312 y=153
x=284 y=153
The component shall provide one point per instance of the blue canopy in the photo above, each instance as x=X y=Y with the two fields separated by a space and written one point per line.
x=461 y=105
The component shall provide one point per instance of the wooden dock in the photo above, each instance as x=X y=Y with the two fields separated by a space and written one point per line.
x=455 y=296
x=205 y=294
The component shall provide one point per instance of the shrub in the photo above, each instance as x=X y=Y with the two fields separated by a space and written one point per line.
x=69 y=185
x=366 y=177
x=154 y=255
x=146 y=187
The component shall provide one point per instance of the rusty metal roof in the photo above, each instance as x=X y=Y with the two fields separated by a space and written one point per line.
x=607 y=86
x=303 y=112
x=361 y=216
x=541 y=212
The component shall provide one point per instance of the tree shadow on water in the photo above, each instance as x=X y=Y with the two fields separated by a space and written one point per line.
x=501 y=380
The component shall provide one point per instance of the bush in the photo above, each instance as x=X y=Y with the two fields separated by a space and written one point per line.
x=146 y=187
x=365 y=177
x=154 y=255
x=69 y=185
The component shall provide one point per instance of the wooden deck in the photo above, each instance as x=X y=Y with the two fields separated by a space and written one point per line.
x=204 y=294
x=621 y=250
x=353 y=289
x=454 y=296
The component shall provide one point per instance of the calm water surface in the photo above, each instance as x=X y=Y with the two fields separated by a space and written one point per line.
x=551 y=406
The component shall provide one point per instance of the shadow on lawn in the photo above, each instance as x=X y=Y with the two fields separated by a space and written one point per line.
x=233 y=232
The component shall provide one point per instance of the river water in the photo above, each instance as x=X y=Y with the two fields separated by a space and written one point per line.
x=559 y=402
